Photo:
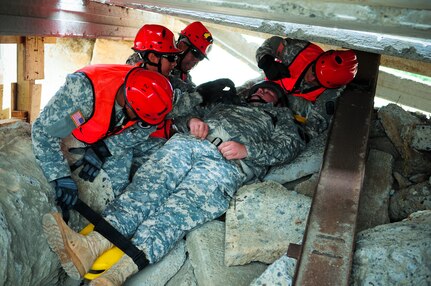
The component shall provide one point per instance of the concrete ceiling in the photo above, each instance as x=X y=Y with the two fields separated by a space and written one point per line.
x=388 y=27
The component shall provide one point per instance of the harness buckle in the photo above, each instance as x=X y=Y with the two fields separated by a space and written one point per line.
x=216 y=141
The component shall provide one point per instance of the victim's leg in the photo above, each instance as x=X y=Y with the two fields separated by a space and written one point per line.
x=201 y=197
x=153 y=182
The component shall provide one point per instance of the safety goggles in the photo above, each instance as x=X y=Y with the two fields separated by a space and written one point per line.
x=171 y=58
x=197 y=54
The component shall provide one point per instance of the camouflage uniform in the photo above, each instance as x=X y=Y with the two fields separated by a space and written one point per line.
x=319 y=113
x=185 y=93
x=188 y=182
x=55 y=123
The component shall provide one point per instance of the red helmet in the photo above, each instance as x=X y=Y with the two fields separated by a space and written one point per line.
x=155 y=38
x=149 y=94
x=199 y=36
x=336 y=68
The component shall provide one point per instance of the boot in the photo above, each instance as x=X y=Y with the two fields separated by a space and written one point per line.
x=117 y=274
x=75 y=251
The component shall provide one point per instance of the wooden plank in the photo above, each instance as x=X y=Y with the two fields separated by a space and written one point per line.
x=13 y=95
x=407 y=65
x=30 y=60
x=4 y=113
x=23 y=101
x=404 y=91
x=19 y=114
x=34 y=58
x=36 y=93
x=10 y=39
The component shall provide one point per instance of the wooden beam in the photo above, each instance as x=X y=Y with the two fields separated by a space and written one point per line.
x=10 y=39
x=13 y=96
x=30 y=67
x=407 y=65
x=36 y=94
x=4 y=113
x=34 y=58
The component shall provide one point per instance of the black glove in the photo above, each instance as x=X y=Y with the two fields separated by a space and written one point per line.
x=218 y=91
x=93 y=159
x=273 y=70
x=66 y=192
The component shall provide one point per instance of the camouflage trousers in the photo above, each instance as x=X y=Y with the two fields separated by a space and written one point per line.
x=120 y=168
x=183 y=185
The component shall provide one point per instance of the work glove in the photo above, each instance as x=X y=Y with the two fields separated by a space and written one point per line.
x=92 y=161
x=66 y=192
x=273 y=70
x=218 y=91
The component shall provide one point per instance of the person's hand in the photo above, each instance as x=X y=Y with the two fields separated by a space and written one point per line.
x=92 y=161
x=233 y=150
x=198 y=128
x=273 y=70
x=66 y=192
x=218 y=91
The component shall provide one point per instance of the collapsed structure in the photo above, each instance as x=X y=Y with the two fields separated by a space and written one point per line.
x=404 y=137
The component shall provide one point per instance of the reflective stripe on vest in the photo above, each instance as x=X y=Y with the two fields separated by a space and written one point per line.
x=105 y=80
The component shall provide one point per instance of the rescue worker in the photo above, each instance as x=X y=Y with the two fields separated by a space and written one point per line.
x=147 y=45
x=185 y=183
x=195 y=41
x=98 y=102
x=312 y=78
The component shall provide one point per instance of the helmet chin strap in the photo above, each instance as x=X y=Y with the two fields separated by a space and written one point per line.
x=181 y=57
x=148 y=62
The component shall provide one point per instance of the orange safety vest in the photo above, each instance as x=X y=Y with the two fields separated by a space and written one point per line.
x=298 y=67
x=105 y=80
x=163 y=130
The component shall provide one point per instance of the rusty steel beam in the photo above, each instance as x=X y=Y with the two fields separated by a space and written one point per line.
x=327 y=248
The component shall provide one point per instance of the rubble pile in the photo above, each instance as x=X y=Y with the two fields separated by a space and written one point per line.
x=247 y=246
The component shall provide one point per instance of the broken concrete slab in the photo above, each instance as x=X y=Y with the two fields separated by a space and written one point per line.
x=261 y=222
x=206 y=248
x=24 y=196
x=184 y=277
x=279 y=273
x=421 y=137
x=394 y=254
x=161 y=272
x=398 y=124
x=307 y=163
x=375 y=191
x=409 y=200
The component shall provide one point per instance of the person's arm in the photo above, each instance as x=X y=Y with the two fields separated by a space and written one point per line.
x=270 y=57
x=318 y=116
x=185 y=97
x=56 y=122
x=283 y=146
x=270 y=47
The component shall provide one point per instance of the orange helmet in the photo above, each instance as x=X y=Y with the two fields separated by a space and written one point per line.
x=199 y=36
x=149 y=94
x=336 y=68
x=155 y=38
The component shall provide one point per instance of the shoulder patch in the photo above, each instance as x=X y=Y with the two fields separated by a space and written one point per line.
x=77 y=118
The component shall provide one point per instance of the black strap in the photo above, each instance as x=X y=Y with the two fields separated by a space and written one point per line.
x=111 y=234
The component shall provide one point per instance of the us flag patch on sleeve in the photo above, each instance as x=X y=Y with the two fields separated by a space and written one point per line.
x=77 y=118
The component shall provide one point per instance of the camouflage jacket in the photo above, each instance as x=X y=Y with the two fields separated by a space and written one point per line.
x=269 y=133
x=317 y=114
x=55 y=123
